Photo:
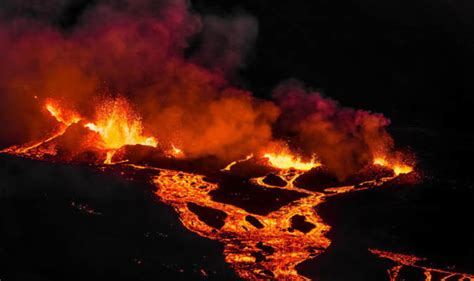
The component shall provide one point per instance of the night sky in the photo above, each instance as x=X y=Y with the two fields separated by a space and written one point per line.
x=410 y=60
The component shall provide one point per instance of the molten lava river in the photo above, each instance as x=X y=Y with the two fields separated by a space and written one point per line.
x=262 y=238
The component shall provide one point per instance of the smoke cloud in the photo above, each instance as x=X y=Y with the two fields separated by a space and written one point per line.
x=138 y=49
x=343 y=138
x=225 y=42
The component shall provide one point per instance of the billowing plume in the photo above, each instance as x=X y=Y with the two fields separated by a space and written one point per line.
x=225 y=42
x=140 y=50
x=344 y=139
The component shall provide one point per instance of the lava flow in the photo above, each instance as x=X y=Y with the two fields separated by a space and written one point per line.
x=286 y=161
x=114 y=126
x=257 y=245
x=64 y=118
x=118 y=126
x=413 y=262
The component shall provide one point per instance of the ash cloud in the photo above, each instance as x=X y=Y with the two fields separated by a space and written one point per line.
x=343 y=138
x=226 y=42
x=138 y=49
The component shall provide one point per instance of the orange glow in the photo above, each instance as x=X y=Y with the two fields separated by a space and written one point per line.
x=176 y=151
x=65 y=117
x=241 y=238
x=402 y=260
x=398 y=168
x=61 y=115
x=287 y=161
x=118 y=125
x=108 y=158
x=228 y=167
x=242 y=233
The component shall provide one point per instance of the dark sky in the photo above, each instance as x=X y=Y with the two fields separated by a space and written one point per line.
x=411 y=60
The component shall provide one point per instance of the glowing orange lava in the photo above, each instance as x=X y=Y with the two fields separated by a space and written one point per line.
x=402 y=260
x=286 y=160
x=228 y=167
x=175 y=151
x=397 y=167
x=66 y=117
x=118 y=125
x=257 y=247
x=242 y=239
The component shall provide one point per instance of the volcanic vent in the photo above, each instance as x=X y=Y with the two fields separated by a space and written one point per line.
x=123 y=92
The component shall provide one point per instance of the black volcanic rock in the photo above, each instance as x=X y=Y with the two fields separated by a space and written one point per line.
x=317 y=180
x=259 y=257
x=320 y=178
x=299 y=222
x=274 y=180
x=254 y=199
x=45 y=237
x=212 y=217
x=138 y=153
x=254 y=221
x=76 y=144
x=75 y=141
x=208 y=165
x=266 y=249
x=410 y=273
x=252 y=168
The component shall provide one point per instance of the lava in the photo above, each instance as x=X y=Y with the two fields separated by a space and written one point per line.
x=243 y=241
x=256 y=246
x=65 y=119
x=176 y=151
x=62 y=116
x=397 y=167
x=228 y=167
x=164 y=56
x=402 y=260
x=118 y=125
x=285 y=160
x=240 y=237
